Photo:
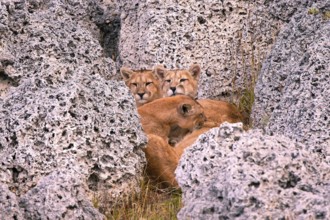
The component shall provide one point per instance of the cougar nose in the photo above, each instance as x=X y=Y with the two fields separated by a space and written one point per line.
x=141 y=95
x=173 y=89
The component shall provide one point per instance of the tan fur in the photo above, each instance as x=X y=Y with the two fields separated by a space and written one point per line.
x=162 y=161
x=143 y=84
x=164 y=116
x=174 y=82
x=220 y=111
x=189 y=139
x=216 y=112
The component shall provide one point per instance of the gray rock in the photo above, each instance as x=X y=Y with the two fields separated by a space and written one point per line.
x=59 y=195
x=282 y=171
x=292 y=92
x=60 y=110
x=284 y=10
x=81 y=122
x=9 y=208
x=228 y=174
x=229 y=39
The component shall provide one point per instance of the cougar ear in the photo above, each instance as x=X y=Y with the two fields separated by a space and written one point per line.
x=126 y=73
x=159 y=70
x=185 y=109
x=195 y=71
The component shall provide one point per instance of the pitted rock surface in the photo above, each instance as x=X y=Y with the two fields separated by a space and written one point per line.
x=60 y=110
x=9 y=208
x=60 y=195
x=228 y=38
x=80 y=121
x=228 y=174
x=292 y=92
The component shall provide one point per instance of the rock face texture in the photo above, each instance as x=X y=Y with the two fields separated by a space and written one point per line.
x=228 y=174
x=66 y=132
x=69 y=129
x=9 y=208
x=229 y=39
x=60 y=195
x=281 y=171
x=293 y=93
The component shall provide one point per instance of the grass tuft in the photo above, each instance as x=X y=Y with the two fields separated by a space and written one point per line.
x=313 y=11
x=150 y=203
x=326 y=15
x=245 y=103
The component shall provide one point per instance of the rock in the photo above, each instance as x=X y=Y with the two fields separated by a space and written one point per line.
x=292 y=94
x=9 y=208
x=229 y=39
x=281 y=171
x=62 y=111
x=59 y=195
x=230 y=174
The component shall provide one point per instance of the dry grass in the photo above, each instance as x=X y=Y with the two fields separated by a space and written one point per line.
x=150 y=203
x=250 y=58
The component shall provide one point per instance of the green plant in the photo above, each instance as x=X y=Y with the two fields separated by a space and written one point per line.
x=326 y=15
x=245 y=103
x=95 y=202
x=250 y=59
x=313 y=11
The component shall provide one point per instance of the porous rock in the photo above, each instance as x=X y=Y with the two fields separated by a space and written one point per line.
x=9 y=208
x=60 y=111
x=229 y=39
x=292 y=93
x=230 y=174
x=59 y=195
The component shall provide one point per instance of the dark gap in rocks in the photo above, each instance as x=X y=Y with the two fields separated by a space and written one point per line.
x=13 y=138
x=109 y=36
x=89 y=154
x=6 y=80
x=15 y=174
x=88 y=143
x=289 y=181
x=72 y=207
x=68 y=147
x=255 y=184
x=107 y=159
x=73 y=115
x=92 y=181
x=208 y=210
x=306 y=188
x=320 y=215
x=201 y=20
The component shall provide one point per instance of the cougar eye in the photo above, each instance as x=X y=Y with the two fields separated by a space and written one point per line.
x=183 y=80
x=168 y=80
x=148 y=83
x=134 y=84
